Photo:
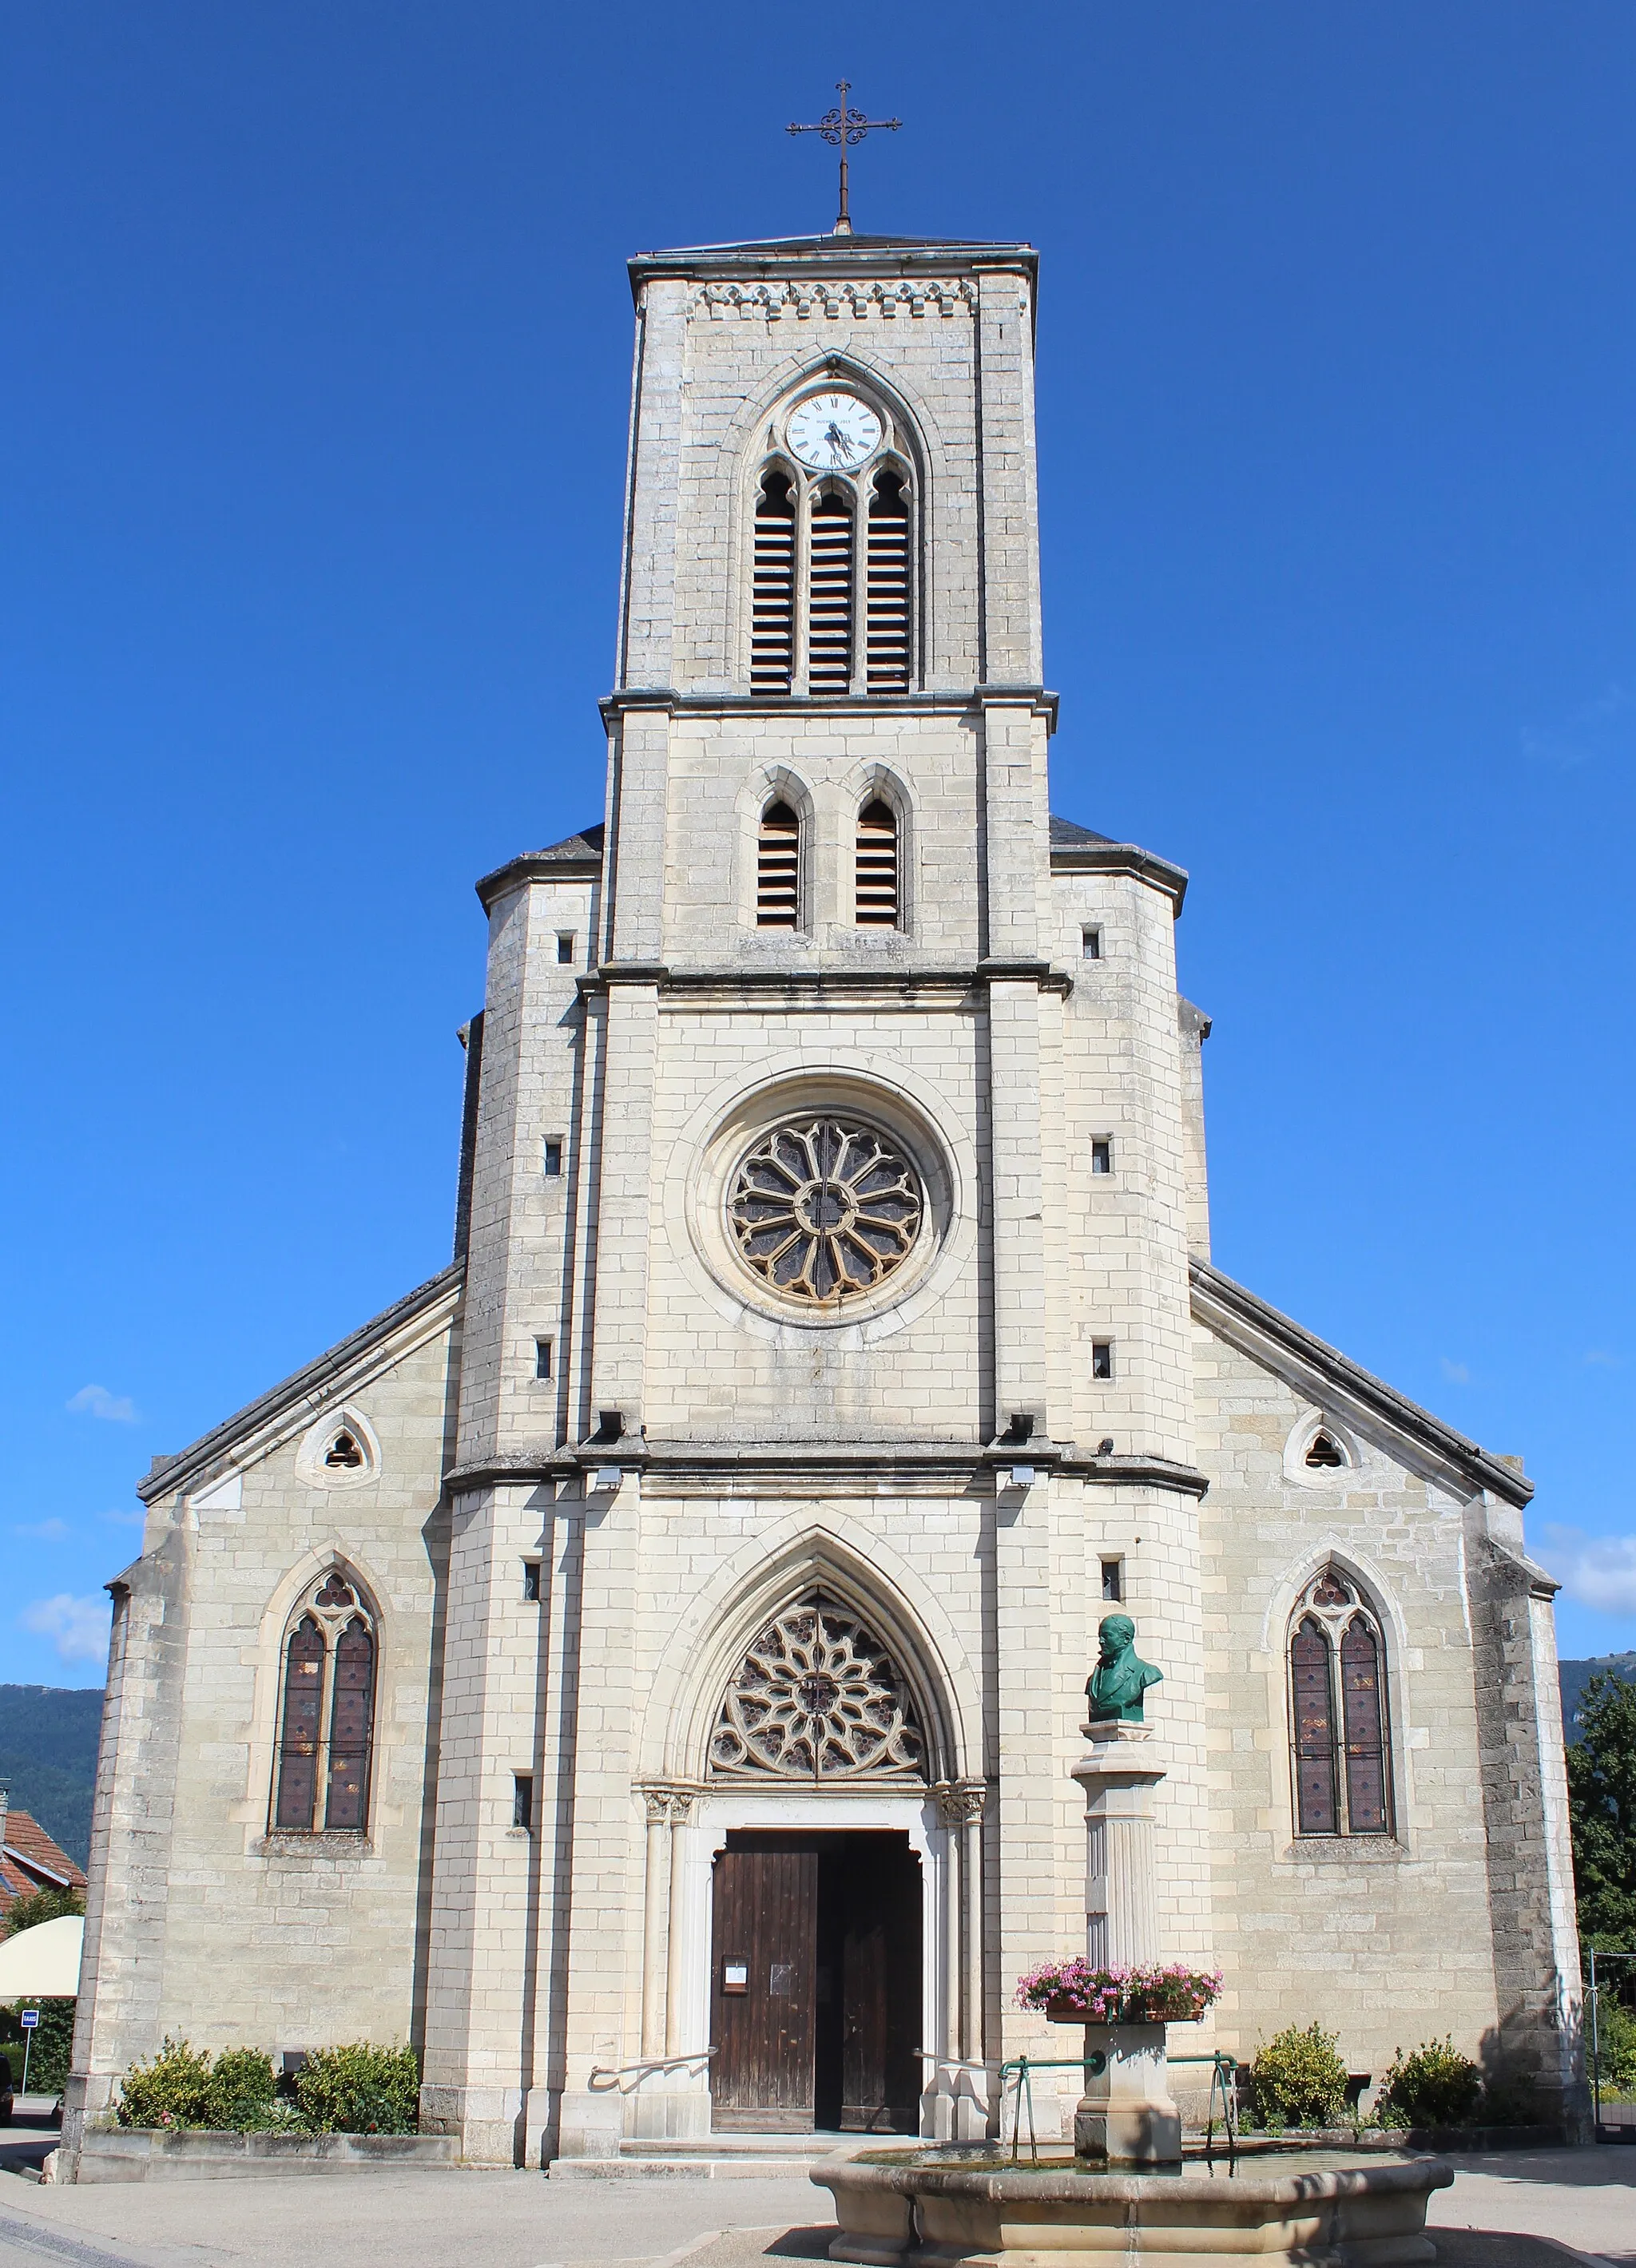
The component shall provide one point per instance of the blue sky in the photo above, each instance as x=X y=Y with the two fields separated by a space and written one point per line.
x=316 y=366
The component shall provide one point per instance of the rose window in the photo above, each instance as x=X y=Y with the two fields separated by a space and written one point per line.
x=817 y=1696
x=824 y=1209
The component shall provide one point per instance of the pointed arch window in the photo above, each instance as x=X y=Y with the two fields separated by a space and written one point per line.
x=327 y=1713
x=887 y=623
x=1340 y=1731
x=876 y=884
x=830 y=595
x=772 y=629
x=778 y=868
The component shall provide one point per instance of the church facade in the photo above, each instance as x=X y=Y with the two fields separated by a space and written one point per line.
x=643 y=1669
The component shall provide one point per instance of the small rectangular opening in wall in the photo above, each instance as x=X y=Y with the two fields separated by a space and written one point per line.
x=522 y=1801
x=1101 y=1357
x=1091 y=943
x=1102 y=1156
x=565 y=947
x=1113 y=1579
x=553 y=1156
x=542 y=1359
x=531 y=1582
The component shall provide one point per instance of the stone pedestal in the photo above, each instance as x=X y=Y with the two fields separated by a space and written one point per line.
x=1125 y=2116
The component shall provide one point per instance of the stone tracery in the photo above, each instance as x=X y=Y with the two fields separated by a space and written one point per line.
x=817 y=1697
x=824 y=1209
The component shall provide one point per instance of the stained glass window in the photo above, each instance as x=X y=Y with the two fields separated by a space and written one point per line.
x=327 y=1713
x=1342 y=1751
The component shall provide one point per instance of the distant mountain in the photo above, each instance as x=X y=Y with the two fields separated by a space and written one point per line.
x=1575 y=1675
x=48 y=1752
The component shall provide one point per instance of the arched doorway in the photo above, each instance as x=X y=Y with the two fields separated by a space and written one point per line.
x=817 y=2000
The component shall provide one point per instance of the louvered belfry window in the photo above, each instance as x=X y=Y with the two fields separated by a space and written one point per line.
x=887 y=623
x=772 y=631
x=778 y=868
x=877 y=892
x=1337 y=1661
x=829 y=597
x=327 y=1719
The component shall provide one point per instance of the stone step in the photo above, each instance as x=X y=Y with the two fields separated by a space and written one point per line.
x=717 y=2157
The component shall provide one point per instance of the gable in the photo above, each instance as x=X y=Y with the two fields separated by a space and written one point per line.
x=291 y=1408
x=1321 y=1375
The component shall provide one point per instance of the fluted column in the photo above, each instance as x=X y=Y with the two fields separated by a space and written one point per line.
x=1121 y=1896
x=971 y=1795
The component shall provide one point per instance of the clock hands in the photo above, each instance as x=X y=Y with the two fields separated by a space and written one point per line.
x=840 y=443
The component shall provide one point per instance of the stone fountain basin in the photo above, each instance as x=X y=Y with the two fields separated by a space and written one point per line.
x=1363 y=2216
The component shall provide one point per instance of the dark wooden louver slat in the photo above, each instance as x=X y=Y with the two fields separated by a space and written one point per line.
x=877 y=866
x=1314 y=1731
x=829 y=602
x=772 y=613
x=1363 y=1718
x=350 y=1715
x=887 y=650
x=778 y=869
x=298 y=1757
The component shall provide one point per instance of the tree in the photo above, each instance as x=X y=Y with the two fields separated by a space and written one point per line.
x=39 y=1905
x=1602 y=1806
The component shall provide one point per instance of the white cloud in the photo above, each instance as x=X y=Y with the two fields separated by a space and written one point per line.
x=79 y=1626
x=1601 y=1359
x=97 y=1402
x=127 y=1519
x=1598 y=1570
x=1455 y=1373
x=1597 y=727
x=45 y=1531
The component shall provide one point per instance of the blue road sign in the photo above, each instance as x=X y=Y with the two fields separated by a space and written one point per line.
x=29 y=2018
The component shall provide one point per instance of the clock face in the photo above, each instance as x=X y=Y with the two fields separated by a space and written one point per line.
x=832 y=433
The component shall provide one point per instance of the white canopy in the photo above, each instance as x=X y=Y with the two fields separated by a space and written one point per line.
x=43 y=1963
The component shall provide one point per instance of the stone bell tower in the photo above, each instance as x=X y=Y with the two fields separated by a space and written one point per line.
x=791 y=1257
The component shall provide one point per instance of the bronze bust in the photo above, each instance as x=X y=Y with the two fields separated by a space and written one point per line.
x=1116 y=1686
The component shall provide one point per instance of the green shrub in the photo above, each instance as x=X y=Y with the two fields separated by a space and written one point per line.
x=1297 y=2080
x=360 y=2090
x=1615 y=2044
x=242 y=2091
x=53 y=2044
x=180 y=2087
x=1434 y=2085
x=172 y=2089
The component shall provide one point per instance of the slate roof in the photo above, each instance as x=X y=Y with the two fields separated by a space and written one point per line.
x=31 y=1861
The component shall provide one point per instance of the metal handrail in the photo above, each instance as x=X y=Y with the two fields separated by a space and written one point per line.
x=618 y=2071
x=1223 y=2074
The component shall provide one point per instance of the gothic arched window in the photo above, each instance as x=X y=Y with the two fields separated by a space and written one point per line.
x=876 y=872
x=817 y=1697
x=830 y=595
x=1338 y=1715
x=326 y=1712
x=832 y=562
x=887 y=628
x=772 y=611
x=778 y=868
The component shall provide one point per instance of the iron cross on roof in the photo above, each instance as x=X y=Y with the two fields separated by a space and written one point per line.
x=844 y=126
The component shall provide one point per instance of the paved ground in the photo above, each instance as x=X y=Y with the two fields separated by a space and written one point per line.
x=1510 y=2211
x=1582 y=2199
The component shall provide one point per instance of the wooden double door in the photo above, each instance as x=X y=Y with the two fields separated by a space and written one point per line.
x=815 y=1983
